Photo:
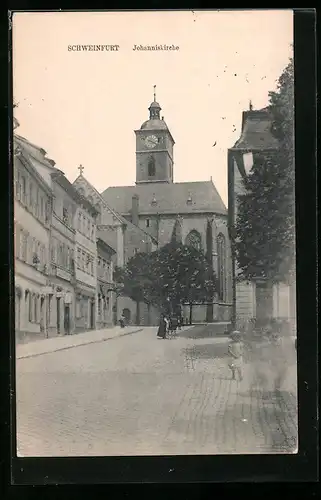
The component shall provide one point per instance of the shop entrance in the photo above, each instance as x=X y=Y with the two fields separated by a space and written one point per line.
x=67 y=320
x=92 y=315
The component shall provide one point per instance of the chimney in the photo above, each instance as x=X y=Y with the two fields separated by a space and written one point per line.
x=135 y=209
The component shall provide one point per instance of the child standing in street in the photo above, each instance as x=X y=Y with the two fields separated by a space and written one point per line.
x=235 y=350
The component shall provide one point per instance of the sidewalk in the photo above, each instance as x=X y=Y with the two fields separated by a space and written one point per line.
x=46 y=346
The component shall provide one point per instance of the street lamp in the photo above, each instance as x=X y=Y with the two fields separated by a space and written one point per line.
x=247 y=161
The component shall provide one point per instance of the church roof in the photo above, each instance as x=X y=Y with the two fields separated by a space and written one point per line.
x=163 y=198
x=256 y=131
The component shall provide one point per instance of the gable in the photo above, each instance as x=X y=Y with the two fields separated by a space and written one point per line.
x=108 y=216
x=256 y=131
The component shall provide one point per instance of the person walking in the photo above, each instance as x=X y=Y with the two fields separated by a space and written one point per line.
x=122 y=321
x=161 y=332
x=173 y=325
x=235 y=350
x=278 y=360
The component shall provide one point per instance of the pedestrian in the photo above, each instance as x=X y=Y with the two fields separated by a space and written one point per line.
x=161 y=332
x=173 y=325
x=166 y=319
x=235 y=350
x=122 y=321
x=278 y=360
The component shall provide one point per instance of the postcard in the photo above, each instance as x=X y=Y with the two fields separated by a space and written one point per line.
x=154 y=229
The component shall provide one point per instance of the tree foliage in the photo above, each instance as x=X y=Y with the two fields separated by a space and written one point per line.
x=265 y=226
x=181 y=274
x=170 y=276
x=133 y=280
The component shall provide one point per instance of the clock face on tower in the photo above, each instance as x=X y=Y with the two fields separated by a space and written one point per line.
x=151 y=141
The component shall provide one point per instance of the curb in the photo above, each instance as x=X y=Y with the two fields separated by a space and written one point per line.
x=79 y=345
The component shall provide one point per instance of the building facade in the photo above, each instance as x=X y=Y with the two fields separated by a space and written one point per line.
x=63 y=253
x=126 y=239
x=105 y=270
x=161 y=207
x=258 y=299
x=32 y=222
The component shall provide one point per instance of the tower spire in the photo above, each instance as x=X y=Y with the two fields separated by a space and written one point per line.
x=154 y=108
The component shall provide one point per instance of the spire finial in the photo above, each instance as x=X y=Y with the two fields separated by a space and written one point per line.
x=154 y=93
x=250 y=105
x=81 y=169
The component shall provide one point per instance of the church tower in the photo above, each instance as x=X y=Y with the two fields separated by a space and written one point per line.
x=154 y=148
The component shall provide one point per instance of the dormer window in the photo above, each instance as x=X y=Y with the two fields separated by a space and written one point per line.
x=154 y=201
x=151 y=167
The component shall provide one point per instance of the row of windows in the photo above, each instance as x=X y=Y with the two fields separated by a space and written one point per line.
x=83 y=306
x=86 y=227
x=32 y=305
x=85 y=262
x=62 y=255
x=31 y=197
x=103 y=269
x=29 y=249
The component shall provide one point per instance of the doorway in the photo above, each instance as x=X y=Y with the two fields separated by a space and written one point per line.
x=126 y=314
x=264 y=302
x=92 y=315
x=67 y=320
x=42 y=315
x=58 y=315
x=17 y=311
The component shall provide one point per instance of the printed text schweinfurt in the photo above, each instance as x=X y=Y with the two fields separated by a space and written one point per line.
x=101 y=48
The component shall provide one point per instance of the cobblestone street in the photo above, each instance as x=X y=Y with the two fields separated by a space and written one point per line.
x=137 y=394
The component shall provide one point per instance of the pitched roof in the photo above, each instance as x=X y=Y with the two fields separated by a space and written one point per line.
x=118 y=216
x=167 y=198
x=256 y=131
x=63 y=182
x=36 y=152
x=82 y=179
x=107 y=240
x=22 y=153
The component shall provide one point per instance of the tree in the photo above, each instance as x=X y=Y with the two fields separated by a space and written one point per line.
x=169 y=277
x=134 y=280
x=265 y=226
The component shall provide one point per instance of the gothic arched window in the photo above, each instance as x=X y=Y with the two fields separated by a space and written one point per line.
x=221 y=266
x=193 y=239
x=81 y=191
x=90 y=200
x=151 y=167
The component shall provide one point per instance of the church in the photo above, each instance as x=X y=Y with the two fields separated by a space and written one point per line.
x=191 y=212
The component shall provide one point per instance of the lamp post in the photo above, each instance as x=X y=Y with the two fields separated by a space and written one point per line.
x=243 y=161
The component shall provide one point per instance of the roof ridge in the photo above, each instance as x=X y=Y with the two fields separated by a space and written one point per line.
x=24 y=139
x=114 y=212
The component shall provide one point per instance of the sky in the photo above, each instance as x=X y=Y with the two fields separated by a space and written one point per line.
x=83 y=107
